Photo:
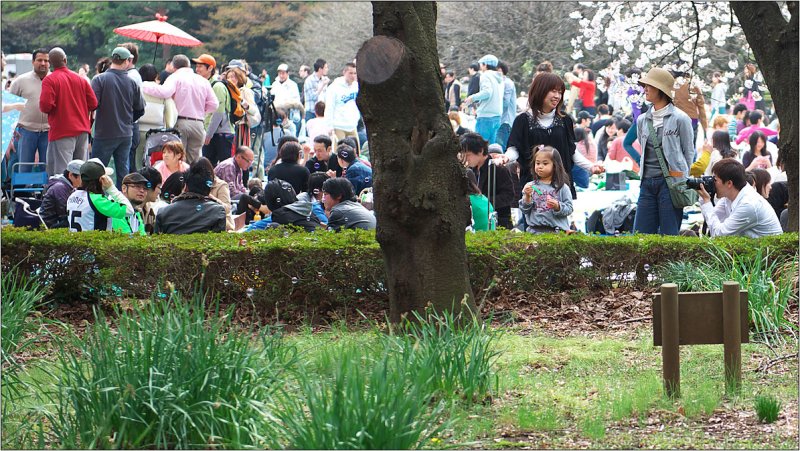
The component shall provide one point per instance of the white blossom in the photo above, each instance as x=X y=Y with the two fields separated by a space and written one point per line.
x=733 y=64
x=575 y=15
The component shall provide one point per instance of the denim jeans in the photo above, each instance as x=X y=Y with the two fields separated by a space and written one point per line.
x=654 y=210
x=220 y=148
x=502 y=135
x=119 y=148
x=487 y=127
x=132 y=162
x=29 y=144
x=580 y=176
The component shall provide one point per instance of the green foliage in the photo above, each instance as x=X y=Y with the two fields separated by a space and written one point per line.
x=165 y=377
x=368 y=402
x=457 y=350
x=20 y=296
x=767 y=408
x=249 y=30
x=768 y=276
x=307 y=275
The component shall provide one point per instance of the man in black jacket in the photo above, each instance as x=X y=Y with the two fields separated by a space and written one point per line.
x=193 y=211
x=54 y=203
x=494 y=181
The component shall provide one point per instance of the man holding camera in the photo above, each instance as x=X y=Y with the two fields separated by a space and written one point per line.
x=741 y=210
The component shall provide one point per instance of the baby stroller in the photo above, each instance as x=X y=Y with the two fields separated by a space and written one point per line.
x=155 y=138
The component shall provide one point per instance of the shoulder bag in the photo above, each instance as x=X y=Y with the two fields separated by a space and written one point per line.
x=681 y=195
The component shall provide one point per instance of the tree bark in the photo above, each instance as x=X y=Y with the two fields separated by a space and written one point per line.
x=775 y=45
x=419 y=184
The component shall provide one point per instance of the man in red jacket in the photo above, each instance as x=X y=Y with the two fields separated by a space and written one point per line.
x=67 y=99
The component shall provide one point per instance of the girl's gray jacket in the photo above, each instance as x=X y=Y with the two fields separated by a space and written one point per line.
x=677 y=139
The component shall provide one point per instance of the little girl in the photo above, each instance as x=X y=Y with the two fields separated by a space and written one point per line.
x=546 y=201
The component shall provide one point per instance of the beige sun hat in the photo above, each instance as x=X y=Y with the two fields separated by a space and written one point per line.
x=660 y=79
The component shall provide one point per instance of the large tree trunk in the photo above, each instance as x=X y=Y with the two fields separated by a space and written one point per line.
x=775 y=45
x=419 y=185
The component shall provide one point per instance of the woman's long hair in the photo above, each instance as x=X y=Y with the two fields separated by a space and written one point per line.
x=581 y=135
x=754 y=137
x=721 y=141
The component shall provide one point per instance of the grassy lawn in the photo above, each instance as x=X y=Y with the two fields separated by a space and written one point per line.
x=546 y=391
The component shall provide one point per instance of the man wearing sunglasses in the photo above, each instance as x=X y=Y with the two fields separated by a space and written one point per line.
x=135 y=188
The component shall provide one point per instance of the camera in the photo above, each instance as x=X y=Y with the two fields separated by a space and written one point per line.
x=707 y=181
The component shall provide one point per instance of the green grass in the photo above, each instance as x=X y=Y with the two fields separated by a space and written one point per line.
x=767 y=408
x=371 y=389
x=164 y=377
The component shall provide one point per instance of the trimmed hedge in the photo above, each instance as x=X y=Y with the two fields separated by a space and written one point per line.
x=285 y=268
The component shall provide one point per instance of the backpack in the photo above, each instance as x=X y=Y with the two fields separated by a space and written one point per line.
x=259 y=97
x=278 y=193
x=235 y=111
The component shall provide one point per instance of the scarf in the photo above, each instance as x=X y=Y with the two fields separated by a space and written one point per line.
x=236 y=94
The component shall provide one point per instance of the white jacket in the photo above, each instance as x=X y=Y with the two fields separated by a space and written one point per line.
x=341 y=111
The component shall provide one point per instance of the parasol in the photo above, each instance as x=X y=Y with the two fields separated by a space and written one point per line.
x=160 y=32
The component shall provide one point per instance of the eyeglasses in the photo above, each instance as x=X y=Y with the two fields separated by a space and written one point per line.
x=249 y=161
x=136 y=185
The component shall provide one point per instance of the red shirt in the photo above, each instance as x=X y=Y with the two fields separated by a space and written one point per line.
x=67 y=98
x=586 y=92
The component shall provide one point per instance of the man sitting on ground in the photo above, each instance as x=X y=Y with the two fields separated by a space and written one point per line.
x=230 y=170
x=152 y=201
x=741 y=210
x=193 y=211
x=54 y=203
x=134 y=187
x=342 y=207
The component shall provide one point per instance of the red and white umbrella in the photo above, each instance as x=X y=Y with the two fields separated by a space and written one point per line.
x=160 y=32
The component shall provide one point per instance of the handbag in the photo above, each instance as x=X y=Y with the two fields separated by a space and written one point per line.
x=748 y=101
x=681 y=195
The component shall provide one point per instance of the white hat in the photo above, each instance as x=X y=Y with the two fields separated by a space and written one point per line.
x=283 y=67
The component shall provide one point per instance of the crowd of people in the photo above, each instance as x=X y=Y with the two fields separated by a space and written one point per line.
x=254 y=154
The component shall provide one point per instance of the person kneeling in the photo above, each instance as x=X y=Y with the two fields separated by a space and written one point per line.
x=742 y=210
x=193 y=211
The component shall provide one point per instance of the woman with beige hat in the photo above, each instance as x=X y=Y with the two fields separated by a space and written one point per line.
x=666 y=138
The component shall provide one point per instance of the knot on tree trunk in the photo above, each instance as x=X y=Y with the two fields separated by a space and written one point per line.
x=379 y=58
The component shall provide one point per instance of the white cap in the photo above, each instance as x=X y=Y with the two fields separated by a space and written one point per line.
x=283 y=67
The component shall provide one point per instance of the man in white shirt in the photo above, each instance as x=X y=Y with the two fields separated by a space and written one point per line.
x=745 y=213
x=287 y=95
x=341 y=110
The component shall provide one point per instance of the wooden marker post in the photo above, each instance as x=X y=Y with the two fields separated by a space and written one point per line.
x=732 y=337
x=711 y=317
x=670 y=351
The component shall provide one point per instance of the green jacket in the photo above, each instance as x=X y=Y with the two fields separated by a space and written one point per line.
x=129 y=223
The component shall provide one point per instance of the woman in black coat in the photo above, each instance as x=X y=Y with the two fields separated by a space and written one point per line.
x=545 y=123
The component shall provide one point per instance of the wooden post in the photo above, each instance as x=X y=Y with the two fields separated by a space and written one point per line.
x=732 y=337
x=670 y=351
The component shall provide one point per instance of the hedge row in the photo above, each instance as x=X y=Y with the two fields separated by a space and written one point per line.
x=287 y=268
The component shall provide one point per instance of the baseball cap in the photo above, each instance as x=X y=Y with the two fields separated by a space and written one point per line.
x=94 y=169
x=121 y=53
x=495 y=148
x=134 y=178
x=205 y=58
x=283 y=67
x=489 y=60
x=237 y=63
x=74 y=166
